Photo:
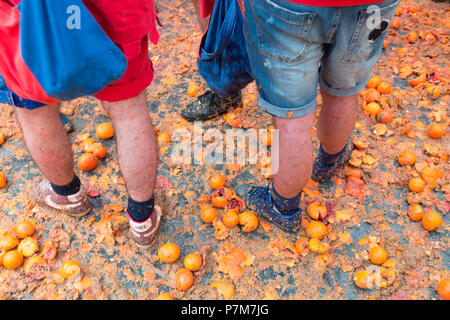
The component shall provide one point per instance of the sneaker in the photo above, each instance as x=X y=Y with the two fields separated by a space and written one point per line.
x=66 y=123
x=76 y=205
x=259 y=199
x=144 y=232
x=210 y=105
x=324 y=172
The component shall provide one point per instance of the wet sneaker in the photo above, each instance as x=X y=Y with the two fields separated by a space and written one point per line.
x=259 y=199
x=324 y=172
x=76 y=205
x=144 y=232
x=210 y=105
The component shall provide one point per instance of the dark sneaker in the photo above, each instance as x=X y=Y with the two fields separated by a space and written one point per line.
x=144 y=232
x=76 y=205
x=66 y=123
x=210 y=105
x=259 y=199
x=324 y=172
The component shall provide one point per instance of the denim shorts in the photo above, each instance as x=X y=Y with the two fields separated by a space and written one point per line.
x=9 y=97
x=292 y=48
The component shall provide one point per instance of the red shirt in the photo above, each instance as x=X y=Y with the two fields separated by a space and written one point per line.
x=206 y=6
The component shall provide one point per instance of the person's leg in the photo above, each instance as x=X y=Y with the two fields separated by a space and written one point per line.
x=47 y=142
x=345 y=69
x=284 y=51
x=203 y=22
x=137 y=156
x=209 y=105
x=136 y=145
x=295 y=163
x=336 y=121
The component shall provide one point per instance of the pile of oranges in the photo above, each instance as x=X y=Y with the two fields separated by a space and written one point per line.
x=22 y=237
x=93 y=151
x=430 y=220
x=382 y=276
x=184 y=277
x=234 y=212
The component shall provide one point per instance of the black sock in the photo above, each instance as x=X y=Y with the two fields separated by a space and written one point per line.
x=69 y=189
x=140 y=211
x=327 y=158
x=286 y=205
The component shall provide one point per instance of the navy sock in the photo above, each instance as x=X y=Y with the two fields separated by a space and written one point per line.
x=286 y=205
x=69 y=189
x=140 y=211
x=327 y=158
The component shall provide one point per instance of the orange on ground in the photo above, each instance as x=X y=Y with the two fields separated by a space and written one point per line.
x=33 y=261
x=230 y=219
x=217 y=180
x=316 y=210
x=164 y=137
x=443 y=289
x=431 y=220
x=2 y=180
x=415 y=212
x=406 y=158
x=192 y=89
x=436 y=130
x=8 y=242
x=70 y=268
x=371 y=95
x=249 y=220
x=164 y=296
x=2 y=139
x=99 y=150
x=104 y=130
x=12 y=259
x=384 y=88
x=27 y=247
x=363 y=279
x=378 y=255
x=384 y=116
x=24 y=229
x=395 y=23
x=374 y=81
x=88 y=145
x=416 y=184
x=169 y=252
x=436 y=92
x=87 y=161
x=316 y=230
x=353 y=172
x=193 y=261
x=218 y=201
x=208 y=214
x=372 y=109
x=412 y=37
x=184 y=279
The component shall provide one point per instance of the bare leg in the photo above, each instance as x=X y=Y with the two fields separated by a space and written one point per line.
x=47 y=142
x=136 y=145
x=295 y=151
x=203 y=22
x=336 y=121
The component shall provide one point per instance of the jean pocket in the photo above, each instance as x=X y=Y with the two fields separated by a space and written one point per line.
x=369 y=33
x=283 y=34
